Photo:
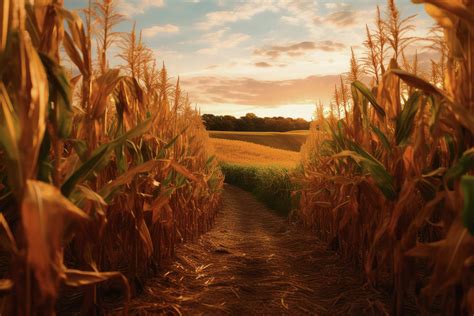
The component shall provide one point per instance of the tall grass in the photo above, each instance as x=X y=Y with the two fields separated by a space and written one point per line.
x=269 y=184
x=102 y=170
x=389 y=180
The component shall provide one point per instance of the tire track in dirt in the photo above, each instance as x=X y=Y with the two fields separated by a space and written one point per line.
x=254 y=262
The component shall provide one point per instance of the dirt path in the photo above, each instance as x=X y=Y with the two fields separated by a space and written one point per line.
x=254 y=263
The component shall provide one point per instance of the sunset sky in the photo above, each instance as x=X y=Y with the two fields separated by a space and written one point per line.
x=272 y=58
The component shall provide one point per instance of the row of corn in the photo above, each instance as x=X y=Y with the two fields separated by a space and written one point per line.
x=388 y=179
x=102 y=170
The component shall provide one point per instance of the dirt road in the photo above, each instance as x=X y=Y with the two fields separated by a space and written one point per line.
x=254 y=262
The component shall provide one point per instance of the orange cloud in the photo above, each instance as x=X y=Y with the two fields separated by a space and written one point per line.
x=343 y=18
x=267 y=94
x=263 y=64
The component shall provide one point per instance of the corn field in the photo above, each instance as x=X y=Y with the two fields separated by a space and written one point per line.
x=102 y=170
x=389 y=181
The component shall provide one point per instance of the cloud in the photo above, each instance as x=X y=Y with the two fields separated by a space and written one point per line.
x=299 y=49
x=242 y=12
x=343 y=18
x=154 y=30
x=130 y=8
x=335 y=5
x=262 y=64
x=216 y=41
x=290 y=20
x=267 y=94
x=299 y=12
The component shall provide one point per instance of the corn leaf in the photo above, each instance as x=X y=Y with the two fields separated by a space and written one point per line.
x=57 y=79
x=127 y=177
x=370 y=97
x=383 y=139
x=465 y=164
x=46 y=217
x=105 y=84
x=100 y=157
x=376 y=170
x=76 y=278
x=7 y=241
x=456 y=8
x=467 y=186
x=406 y=120
x=10 y=137
x=464 y=116
x=86 y=169
x=82 y=192
x=73 y=53
x=4 y=24
x=183 y=171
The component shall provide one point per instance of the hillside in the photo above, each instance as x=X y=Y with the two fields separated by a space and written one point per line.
x=287 y=141
x=245 y=153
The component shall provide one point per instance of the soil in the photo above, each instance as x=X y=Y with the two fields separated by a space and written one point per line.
x=254 y=262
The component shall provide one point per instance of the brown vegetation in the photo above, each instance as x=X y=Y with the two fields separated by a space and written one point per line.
x=388 y=183
x=101 y=170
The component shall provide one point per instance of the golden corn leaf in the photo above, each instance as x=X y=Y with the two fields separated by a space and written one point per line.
x=127 y=177
x=4 y=23
x=33 y=107
x=46 y=216
x=6 y=237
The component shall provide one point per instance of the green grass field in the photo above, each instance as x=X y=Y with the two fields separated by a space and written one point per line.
x=286 y=141
x=271 y=185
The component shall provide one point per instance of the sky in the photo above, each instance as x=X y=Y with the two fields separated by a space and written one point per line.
x=269 y=57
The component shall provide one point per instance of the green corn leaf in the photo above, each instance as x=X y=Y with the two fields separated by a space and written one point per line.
x=451 y=147
x=370 y=97
x=80 y=147
x=463 y=115
x=57 y=79
x=406 y=120
x=382 y=137
x=467 y=187
x=138 y=130
x=376 y=170
x=59 y=86
x=100 y=157
x=427 y=189
x=45 y=167
x=465 y=164
x=336 y=135
x=97 y=158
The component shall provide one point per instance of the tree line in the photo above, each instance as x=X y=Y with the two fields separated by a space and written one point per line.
x=252 y=123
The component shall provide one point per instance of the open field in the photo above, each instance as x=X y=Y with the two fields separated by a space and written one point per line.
x=287 y=141
x=245 y=153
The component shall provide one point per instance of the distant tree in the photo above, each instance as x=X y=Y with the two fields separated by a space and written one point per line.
x=251 y=122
